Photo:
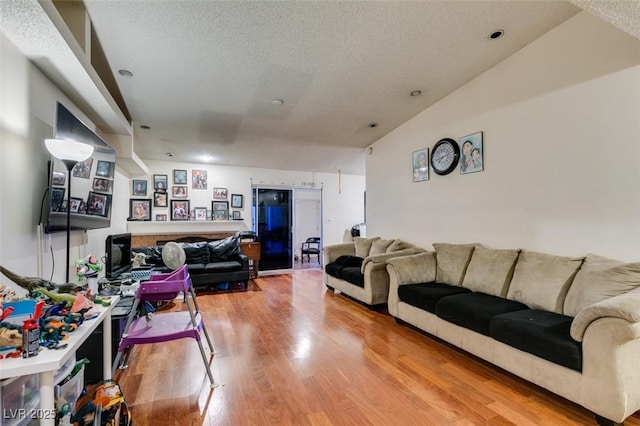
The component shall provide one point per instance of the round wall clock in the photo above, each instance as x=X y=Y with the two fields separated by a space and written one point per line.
x=444 y=156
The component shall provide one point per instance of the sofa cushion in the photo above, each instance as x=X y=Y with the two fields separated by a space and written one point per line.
x=426 y=295
x=195 y=268
x=224 y=249
x=379 y=246
x=598 y=279
x=542 y=280
x=196 y=253
x=452 y=261
x=363 y=245
x=475 y=310
x=348 y=260
x=398 y=245
x=541 y=333
x=223 y=266
x=335 y=268
x=490 y=270
x=352 y=275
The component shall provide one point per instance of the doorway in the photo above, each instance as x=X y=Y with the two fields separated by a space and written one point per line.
x=272 y=221
x=307 y=223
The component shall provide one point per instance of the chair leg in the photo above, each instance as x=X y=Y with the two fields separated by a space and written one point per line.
x=206 y=364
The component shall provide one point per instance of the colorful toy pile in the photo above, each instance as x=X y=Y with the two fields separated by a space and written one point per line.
x=45 y=318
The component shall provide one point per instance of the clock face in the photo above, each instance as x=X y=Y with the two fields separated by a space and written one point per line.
x=445 y=156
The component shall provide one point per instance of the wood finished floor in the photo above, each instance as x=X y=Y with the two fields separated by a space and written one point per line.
x=289 y=352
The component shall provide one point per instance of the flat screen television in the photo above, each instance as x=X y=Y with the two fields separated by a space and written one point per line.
x=117 y=255
x=92 y=180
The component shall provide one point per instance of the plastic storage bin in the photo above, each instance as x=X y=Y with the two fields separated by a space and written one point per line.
x=19 y=399
x=67 y=393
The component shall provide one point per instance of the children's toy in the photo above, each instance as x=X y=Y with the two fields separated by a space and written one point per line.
x=31 y=333
x=87 y=267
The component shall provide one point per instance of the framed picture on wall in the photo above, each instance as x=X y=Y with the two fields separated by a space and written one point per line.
x=59 y=178
x=236 y=201
x=179 y=177
x=139 y=188
x=220 y=193
x=102 y=185
x=75 y=205
x=160 y=183
x=179 y=191
x=420 y=165
x=471 y=155
x=140 y=209
x=98 y=204
x=200 y=213
x=105 y=168
x=180 y=210
x=57 y=195
x=199 y=179
x=83 y=169
x=236 y=215
x=161 y=217
x=160 y=199
x=219 y=210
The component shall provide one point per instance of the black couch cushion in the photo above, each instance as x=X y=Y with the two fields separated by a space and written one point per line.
x=196 y=253
x=195 y=268
x=335 y=268
x=224 y=249
x=541 y=333
x=426 y=295
x=475 y=310
x=352 y=275
x=226 y=266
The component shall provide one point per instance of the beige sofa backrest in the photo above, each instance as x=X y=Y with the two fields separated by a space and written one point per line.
x=541 y=281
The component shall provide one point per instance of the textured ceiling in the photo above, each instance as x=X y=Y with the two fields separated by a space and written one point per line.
x=206 y=72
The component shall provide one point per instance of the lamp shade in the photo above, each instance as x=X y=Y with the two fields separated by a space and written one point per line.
x=64 y=149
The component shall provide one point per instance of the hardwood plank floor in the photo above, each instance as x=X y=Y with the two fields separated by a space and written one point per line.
x=290 y=352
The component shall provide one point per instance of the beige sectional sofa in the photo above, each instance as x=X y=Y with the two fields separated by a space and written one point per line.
x=570 y=325
x=358 y=268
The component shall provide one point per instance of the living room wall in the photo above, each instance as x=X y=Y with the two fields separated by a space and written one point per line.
x=343 y=196
x=561 y=124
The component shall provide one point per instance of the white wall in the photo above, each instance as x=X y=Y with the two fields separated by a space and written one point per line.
x=561 y=123
x=27 y=113
x=343 y=196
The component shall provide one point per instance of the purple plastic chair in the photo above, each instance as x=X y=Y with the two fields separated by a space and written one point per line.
x=165 y=326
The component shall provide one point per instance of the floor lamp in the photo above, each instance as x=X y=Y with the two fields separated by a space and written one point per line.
x=70 y=153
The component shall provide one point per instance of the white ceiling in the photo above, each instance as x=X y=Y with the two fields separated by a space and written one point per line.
x=206 y=72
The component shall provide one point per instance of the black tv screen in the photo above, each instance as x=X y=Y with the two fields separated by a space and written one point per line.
x=117 y=255
x=92 y=180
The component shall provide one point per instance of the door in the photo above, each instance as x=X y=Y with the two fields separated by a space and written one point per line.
x=307 y=222
x=273 y=224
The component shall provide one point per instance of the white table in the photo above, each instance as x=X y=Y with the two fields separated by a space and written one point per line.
x=48 y=361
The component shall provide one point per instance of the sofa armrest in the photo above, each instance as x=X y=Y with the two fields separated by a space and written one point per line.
x=405 y=270
x=382 y=258
x=244 y=260
x=334 y=251
x=625 y=306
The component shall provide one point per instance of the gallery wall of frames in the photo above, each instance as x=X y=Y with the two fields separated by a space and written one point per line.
x=163 y=197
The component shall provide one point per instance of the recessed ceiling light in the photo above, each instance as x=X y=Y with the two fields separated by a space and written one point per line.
x=125 y=73
x=170 y=154
x=372 y=125
x=145 y=127
x=416 y=92
x=277 y=102
x=496 y=34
